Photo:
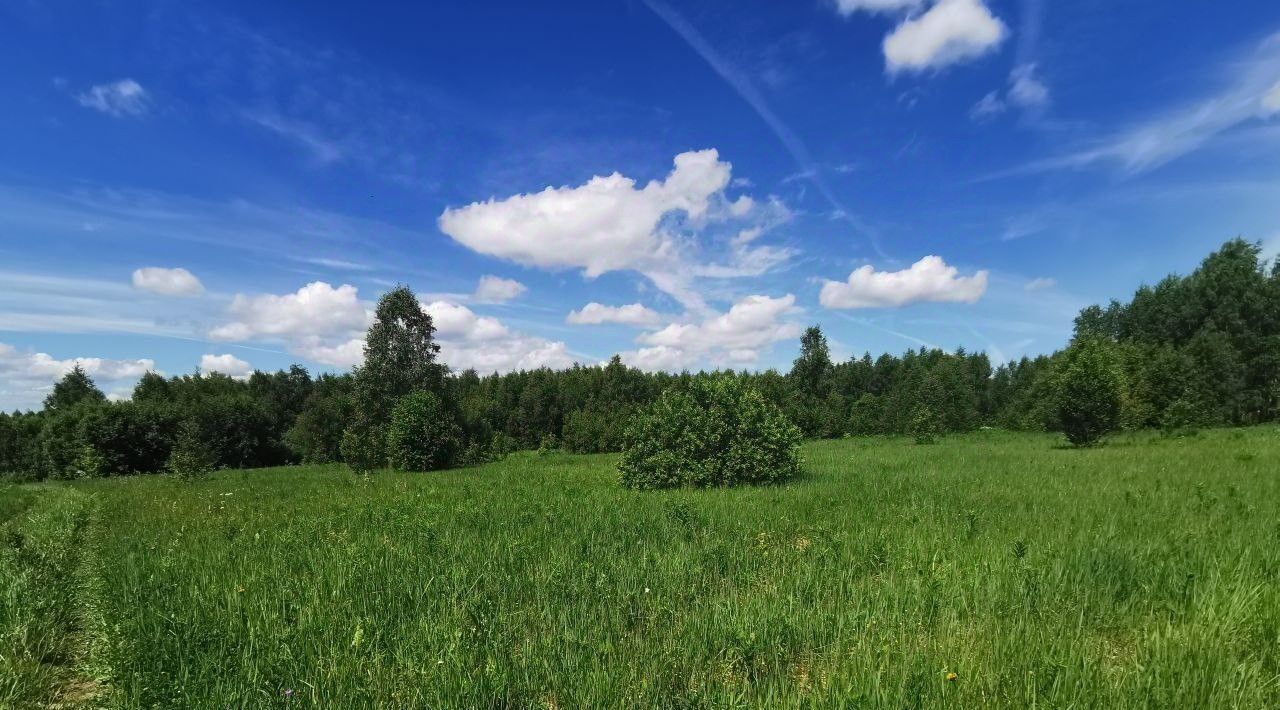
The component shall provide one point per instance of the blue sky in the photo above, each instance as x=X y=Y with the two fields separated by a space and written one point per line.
x=230 y=186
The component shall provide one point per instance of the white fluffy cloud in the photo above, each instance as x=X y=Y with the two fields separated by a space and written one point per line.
x=951 y=31
x=468 y=340
x=603 y=225
x=318 y=321
x=229 y=365
x=327 y=325
x=167 y=282
x=25 y=377
x=732 y=338
x=317 y=309
x=610 y=223
x=929 y=279
x=494 y=289
x=597 y=313
x=125 y=97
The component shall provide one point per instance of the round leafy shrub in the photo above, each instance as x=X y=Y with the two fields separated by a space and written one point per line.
x=711 y=432
x=423 y=435
x=926 y=425
x=593 y=430
x=191 y=457
x=1090 y=391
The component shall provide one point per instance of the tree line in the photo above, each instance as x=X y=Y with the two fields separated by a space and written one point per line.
x=1191 y=351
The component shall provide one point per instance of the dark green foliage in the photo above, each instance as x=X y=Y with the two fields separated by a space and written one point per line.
x=1194 y=351
x=74 y=388
x=1183 y=417
x=715 y=431
x=19 y=446
x=422 y=435
x=1212 y=336
x=191 y=457
x=399 y=359
x=926 y=425
x=130 y=437
x=364 y=450
x=593 y=430
x=153 y=387
x=316 y=433
x=1089 y=391
x=811 y=379
x=61 y=442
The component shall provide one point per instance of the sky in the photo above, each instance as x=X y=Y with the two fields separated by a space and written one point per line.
x=223 y=187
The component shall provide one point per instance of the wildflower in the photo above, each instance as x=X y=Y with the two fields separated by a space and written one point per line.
x=288 y=692
x=951 y=677
x=239 y=589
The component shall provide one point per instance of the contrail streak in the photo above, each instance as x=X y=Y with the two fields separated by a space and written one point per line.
x=745 y=89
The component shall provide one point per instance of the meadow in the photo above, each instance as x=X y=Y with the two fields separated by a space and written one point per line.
x=990 y=569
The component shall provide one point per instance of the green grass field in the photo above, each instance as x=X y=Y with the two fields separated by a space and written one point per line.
x=1145 y=573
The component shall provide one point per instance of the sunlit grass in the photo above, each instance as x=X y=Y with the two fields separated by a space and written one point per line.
x=1144 y=573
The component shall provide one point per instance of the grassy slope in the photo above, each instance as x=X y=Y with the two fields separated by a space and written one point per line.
x=1143 y=573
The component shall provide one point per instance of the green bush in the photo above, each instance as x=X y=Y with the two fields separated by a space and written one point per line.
x=1183 y=418
x=1090 y=391
x=712 y=432
x=593 y=431
x=926 y=425
x=423 y=435
x=364 y=449
x=191 y=457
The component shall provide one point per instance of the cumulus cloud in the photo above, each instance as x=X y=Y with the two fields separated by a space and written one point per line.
x=167 y=282
x=326 y=324
x=26 y=376
x=603 y=225
x=610 y=223
x=493 y=289
x=951 y=31
x=597 y=313
x=318 y=321
x=468 y=340
x=734 y=337
x=317 y=309
x=228 y=365
x=122 y=98
x=929 y=279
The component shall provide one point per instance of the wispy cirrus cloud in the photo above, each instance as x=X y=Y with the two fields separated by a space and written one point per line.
x=746 y=89
x=1249 y=91
x=121 y=99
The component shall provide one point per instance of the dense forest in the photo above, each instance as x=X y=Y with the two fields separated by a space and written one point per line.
x=1195 y=350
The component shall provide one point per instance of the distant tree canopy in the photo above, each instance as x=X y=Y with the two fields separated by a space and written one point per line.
x=1195 y=350
x=74 y=388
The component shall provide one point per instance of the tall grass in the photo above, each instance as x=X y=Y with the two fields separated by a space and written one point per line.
x=44 y=605
x=1145 y=573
